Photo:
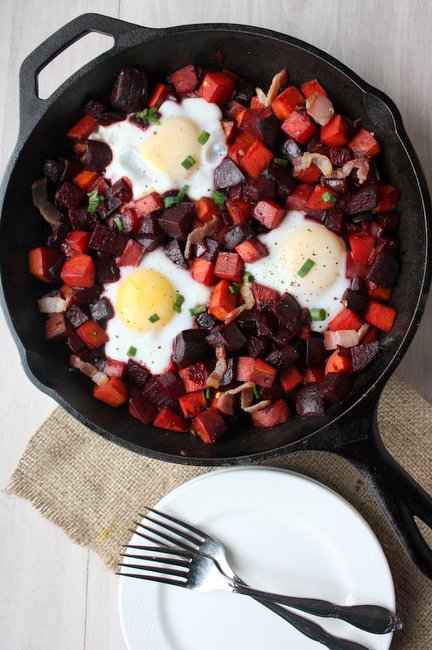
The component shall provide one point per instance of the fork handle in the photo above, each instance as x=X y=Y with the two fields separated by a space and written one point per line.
x=371 y=618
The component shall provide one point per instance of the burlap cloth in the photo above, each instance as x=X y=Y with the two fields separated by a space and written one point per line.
x=92 y=489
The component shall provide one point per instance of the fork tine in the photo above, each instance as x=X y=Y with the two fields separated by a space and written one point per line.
x=163 y=549
x=160 y=560
x=161 y=536
x=176 y=531
x=165 y=581
x=156 y=569
x=179 y=522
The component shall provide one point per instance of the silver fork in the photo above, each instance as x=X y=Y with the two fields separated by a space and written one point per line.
x=187 y=537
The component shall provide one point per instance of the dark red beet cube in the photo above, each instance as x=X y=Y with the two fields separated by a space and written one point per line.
x=68 y=195
x=57 y=328
x=315 y=352
x=107 y=241
x=334 y=221
x=363 y=199
x=75 y=343
x=283 y=358
x=264 y=296
x=363 y=355
x=355 y=300
x=335 y=387
x=190 y=347
x=98 y=155
x=175 y=252
x=384 y=270
x=77 y=315
x=227 y=174
x=339 y=156
x=309 y=402
x=288 y=312
x=177 y=220
x=266 y=323
x=230 y=337
x=207 y=249
x=185 y=79
x=130 y=91
x=206 y=321
x=140 y=407
x=237 y=235
x=101 y=309
x=106 y=269
x=82 y=220
x=209 y=425
x=257 y=347
x=259 y=189
x=137 y=374
x=172 y=386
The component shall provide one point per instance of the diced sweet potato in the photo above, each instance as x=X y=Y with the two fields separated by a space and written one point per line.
x=229 y=266
x=299 y=126
x=203 y=271
x=209 y=425
x=85 y=179
x=40 y=260
x=268 y=213
x=83 y=128
x=185 y=79
x=57 y=327
x=339 y=364
x=169 y=419
x=75 y=243
x=299 y=197
x=115 y=368
x=345 y=320
x=320 y=199
x=381 y=316
x=222 y=301
x=263 y=374
x=364 y=144
x=286 y=101
x=206 y=209
x=79 y=271
x=238 y=210
x=251 y=250
x=217 y=87
x=150 y=203
x=114 y=392
x=387 y=198
x=192 y=403
x=362 y=246
x=264 y=296
x=92 y=334
x=274 y=414
x=160 y=94
x=255 y=159
x=334 y=134
x=312 y=86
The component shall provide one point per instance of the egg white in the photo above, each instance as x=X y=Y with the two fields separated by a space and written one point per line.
x=127 y=141
x=277 y=272
x=154 y=348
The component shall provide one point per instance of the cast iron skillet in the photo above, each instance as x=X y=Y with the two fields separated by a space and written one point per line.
x=349 y=430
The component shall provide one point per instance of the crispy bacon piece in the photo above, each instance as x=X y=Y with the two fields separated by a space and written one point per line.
x=249 y=302
x=307 y=159
x=89 y=370
x=362 y=166
x=278 y=81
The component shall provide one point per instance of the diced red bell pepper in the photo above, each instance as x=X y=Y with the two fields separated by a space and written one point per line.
x=149 y=204
x=275 y=413
x=79 y=271
x=299 y=197
x=185 y=79
x=381 y=316
x=238 y=210
x=334 y=134
x=339 y=364
x=251 y=250
x=347 y=319
x=313 y=375
x=40 y=260
x=264 y=296
x=114 y=392
x=229 y=266
x=376 y=292
x=290 y=378
x=317 y=200
x=312 y=86
x=209 y=425
x=388 y=197
x=84 y=179
x=256 y=158
x=268 y=213
x=284 y=104
x=222 y=301
x=353 y=269
x=76 y=243
x=115 y=368
x=160 y=94
x=299 y=126
x=203 y=271
x=83 y=128
x=92 y=334
x=364 y=144
x=132 y=254
x=230 y=130
x=263 y=374
x=237 y=151
x=206 y=209
x=169 y=419
x=194 y=377
x=362 y=246
x=57 y=327
x=193 y=403
x=217 y=87
x=309 y=175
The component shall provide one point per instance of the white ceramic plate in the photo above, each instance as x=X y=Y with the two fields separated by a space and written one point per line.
x=285 y=533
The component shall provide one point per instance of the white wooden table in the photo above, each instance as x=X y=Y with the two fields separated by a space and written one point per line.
x=54 y=594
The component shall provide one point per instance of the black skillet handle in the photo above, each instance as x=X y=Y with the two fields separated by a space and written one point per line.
x=398 y=494
x=31 y=106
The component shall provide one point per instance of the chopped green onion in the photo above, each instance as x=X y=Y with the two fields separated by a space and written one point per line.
x=131 y=351
x=208 y=393
x=182 y=193
x=203 y=137
x=119 y=223
x=70 y=369
x=153 y=318
x=307 y=266
x=179 y=300
x=256 y=392
x=93 y=201
x=234 y=288
x=219 y=198
x=169 y=201
x=188 y=162
x=197 y=310
x=282 y=162
x=248 y=277
x=328 y=197
x=149 y=114
x=318 y=314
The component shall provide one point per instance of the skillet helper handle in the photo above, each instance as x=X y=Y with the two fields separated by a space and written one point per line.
x=400 y=497
x=30 y=103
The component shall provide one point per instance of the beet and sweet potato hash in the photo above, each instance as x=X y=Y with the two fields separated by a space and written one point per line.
x=218 y=253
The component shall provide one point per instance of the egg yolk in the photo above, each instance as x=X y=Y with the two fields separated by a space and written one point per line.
x=321 y=246
x=171 y=143
x=142 y=296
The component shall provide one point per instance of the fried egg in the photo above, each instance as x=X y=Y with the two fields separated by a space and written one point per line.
x=144 y=316
x=290 y=245
x=152 y=158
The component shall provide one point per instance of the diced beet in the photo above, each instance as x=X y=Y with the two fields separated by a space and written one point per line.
x=257 y=347
x=82 y=220
x=337 y=185
x=106 y=269
x=176 y=221
x=339 y=156
x=137 y=374
x=75 y=343
x=271 y=134
x=130 y=91
x=264 y=296
x=77 y=315
x=247 y=321
x=283 y=358
x=175 y=252
x=68 y=195
x=114 y=368
x=334 y=221
x=244 y=92
x=194 y=377
x=384 y=270
x=190 y=347
x=229 y=374
x=53 y=170
x=86 y=294
x=206 y=321
x=151 y=243
x=237 y=235
x=291 y=149
x=259 y=189
x=109 y=242
x=71 y=167
x=335 y=387
x=363 y=199
x=317 y=215
x=101 y=309
x=288 y=312
x=362 y=217
x=229 y=337
x=228 y=174
x=282 y=336
x=55 y=269
x=358 y=284
x=266 y=323
x=140 y=407
x=185 y=79
x=363 y=355
x=389 y=220
x=309 y=401
x=315 y=352
x=209 y=425
x=98 y=155
x=355 y=300
x=94 y=108
x=149 y=226
x=153 y=392
x=109 y=117
x=121 y=189
x=57 y=327
x=172 y=386
x=208 y=249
